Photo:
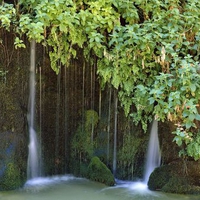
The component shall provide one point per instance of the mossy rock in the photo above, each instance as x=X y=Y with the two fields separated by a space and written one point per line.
x=180 y=185
x=159 y=177
x=172 y=179
x=12 y=178
x=98 y=171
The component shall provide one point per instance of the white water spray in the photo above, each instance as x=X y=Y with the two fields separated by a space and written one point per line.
x=153 y=152
x=33 y=167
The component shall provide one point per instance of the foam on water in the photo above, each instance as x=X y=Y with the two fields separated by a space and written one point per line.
x=137 y=186
x=42 y=183
x=134 y=189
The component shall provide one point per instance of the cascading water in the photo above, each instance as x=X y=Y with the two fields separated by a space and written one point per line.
x=153 y=152
x=33 y=167
x=153 y=161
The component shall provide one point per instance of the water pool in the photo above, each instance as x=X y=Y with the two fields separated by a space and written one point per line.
x=71 y=188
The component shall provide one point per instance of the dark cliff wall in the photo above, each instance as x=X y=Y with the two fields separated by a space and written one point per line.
x=14 y=79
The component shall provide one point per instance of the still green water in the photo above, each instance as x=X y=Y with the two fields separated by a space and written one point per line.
x=71 y=188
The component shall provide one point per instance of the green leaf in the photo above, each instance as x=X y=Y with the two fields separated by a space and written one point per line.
x=97 y=39
x=151 y=100
x=188 y=124
x=197 y=117
x=191 y=117
x=63 y=28
x=166 y=110
x=178 y=140
x=193 y=87
x=19 y=43
x=141 y=88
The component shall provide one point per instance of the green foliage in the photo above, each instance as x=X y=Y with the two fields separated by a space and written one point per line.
x=7 y=15
x=148 y=50
x=98 y=171
x=193 y=148
x=61 y=25
x=154 y=65
x=19 y=43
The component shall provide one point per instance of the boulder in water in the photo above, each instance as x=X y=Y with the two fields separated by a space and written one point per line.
x=98 y=171
x=180 y=177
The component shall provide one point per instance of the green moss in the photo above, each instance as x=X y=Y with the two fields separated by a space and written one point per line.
x=178 y=185
x=11 y=179
x=171 y=179
x=98 y=171
x=159 y=177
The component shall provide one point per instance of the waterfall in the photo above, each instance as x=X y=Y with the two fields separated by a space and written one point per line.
x=33 y=167
x=153 y=152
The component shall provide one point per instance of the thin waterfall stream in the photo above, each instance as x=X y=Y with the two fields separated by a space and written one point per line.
x=152 y=161
x=153 y=152
x=33 y=167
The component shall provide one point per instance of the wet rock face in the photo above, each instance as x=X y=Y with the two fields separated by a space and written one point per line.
x=13 y=114
x=13 y=134
x=169 y=149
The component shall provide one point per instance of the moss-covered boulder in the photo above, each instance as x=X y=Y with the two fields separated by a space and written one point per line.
x=177 y=177
x=98 y=171
x=180 y=185
x=159 y=177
